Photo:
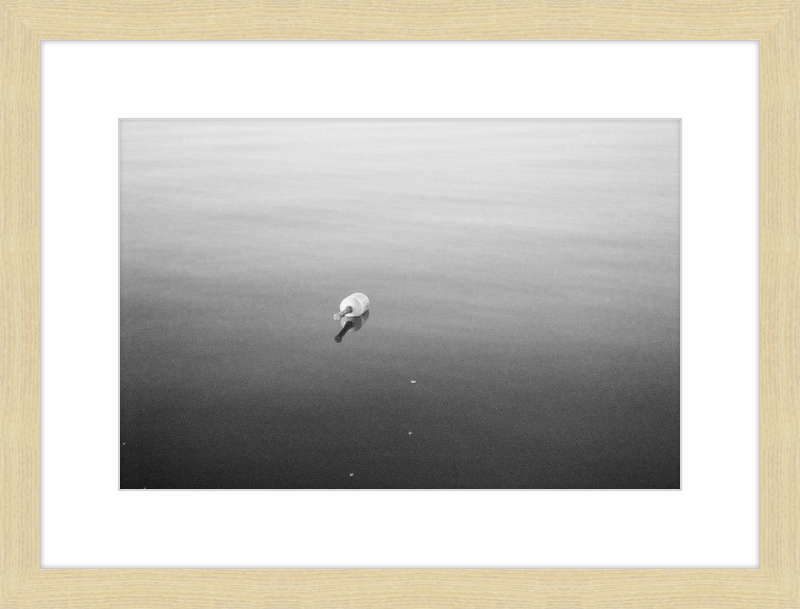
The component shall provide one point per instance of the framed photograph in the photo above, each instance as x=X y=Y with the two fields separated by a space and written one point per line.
x=518 y=326
x=361 y=303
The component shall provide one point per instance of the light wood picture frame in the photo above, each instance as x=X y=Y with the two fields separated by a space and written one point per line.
x=774 y=23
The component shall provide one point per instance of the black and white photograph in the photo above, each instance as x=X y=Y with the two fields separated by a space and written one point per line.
x=400 y=304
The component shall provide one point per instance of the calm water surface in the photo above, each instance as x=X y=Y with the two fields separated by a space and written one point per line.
x=524 y=273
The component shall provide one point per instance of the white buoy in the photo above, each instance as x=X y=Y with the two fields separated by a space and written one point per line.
x=353 y=306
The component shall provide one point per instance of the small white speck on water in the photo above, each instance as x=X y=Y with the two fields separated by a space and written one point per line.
x=412 y=382
x=123 y=443
x=409 y=433
x=352 y=474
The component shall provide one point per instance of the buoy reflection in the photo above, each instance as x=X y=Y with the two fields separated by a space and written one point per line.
x=351 y=323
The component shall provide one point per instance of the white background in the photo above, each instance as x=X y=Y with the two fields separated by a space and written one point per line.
x=88 y=522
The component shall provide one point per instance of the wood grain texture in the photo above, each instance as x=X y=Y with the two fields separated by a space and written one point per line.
x=401 y=19
x=645 y=589
x=776 y=24
x=780 y=303
x=19 y=306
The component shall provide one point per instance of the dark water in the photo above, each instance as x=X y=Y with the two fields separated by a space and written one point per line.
x=524 y=273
